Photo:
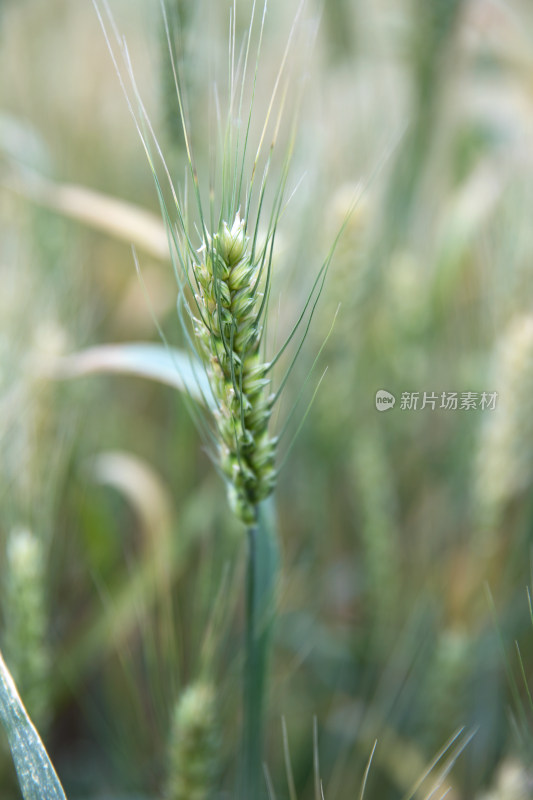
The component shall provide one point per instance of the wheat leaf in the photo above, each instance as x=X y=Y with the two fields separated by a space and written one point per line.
x=118 y=218
x=154 y=361
x=37 y=777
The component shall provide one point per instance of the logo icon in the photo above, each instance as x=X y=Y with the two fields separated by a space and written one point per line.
x=384 y=400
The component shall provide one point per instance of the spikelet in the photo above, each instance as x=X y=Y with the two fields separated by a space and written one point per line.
x=228 y=302
x=446 y=683
x=24 y=605
x=194 y=745
x=377 y=505
x=513 y=782
x=347 y=287
x=505 y=465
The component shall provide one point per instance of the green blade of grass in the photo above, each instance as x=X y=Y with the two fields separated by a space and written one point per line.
x=37 y=777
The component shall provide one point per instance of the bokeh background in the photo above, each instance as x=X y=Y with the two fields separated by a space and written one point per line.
x=406 y=536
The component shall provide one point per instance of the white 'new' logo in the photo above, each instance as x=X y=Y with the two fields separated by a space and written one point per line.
x=384 y=400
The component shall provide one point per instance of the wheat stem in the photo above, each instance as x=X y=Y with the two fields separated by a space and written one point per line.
x=262 y=576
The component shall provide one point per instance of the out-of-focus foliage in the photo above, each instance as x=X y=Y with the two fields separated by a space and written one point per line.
x=394 y=524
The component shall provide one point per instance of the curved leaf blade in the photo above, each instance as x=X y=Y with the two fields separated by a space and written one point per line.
x=37 y=778
x=118 y=218
x=146 y=360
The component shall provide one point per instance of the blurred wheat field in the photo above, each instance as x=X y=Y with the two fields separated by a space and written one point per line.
x=404 y=629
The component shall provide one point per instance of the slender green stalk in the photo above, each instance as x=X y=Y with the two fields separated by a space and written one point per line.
x=262 y=576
